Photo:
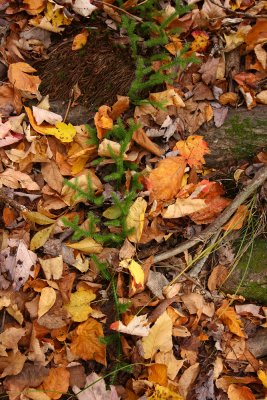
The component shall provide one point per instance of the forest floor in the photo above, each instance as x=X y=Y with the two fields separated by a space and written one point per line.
x=129 y=268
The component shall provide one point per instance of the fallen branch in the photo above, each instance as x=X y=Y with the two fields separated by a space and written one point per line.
x=213 y=228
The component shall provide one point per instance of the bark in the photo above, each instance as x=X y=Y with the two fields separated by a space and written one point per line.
x=228 y=144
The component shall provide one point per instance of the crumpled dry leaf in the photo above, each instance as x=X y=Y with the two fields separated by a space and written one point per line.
x=80 y=40
x=168 y=97
x=159 y=337
x=17 y=180
x=47 y=300
x=137 y=326
x=173 y=365
x=108 y=148
x=86 y=344
x=12 y=364
x=166 y=179
x=9 y=339
x=236 y=392
x=82 y=7
x=141 y=138
x=42 y=115
x=18 y=75
x=135 y=219
x=103 y=121
x=79 y=307
x=95 y=389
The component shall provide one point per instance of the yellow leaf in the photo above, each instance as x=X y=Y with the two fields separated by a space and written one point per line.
x=52 y=267
x=86 y=344
x=103 y=121
x=37 y=217
x=136 y=271
x=34 y=7
x=47 y=300
x=87 y=246
x=157 y=373
x=173 y=365
x=159 y=338
x=80 y=40
x=18 y=74
x=167 y=98
x=183 y=207
x=135 y=219
x=65 y=133
x=163 y=393
x=41 y=237
x=55 y=15
x=78 y=306
x=263 y=377
x=229 y=317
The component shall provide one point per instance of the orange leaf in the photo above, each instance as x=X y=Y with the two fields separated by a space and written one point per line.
x=157 y=373
x=18 y=74
x=9 y=216
x=103 y=121
x=56 y=383
x=201 y=41
x=236 y=392
x=192 y=150
x=238 y=219
x=86 y=344
x=229 y=318
x=80 y=40
x=214 y=208
x=166 y=179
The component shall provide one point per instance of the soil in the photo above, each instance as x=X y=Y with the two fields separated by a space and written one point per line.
x=102 y=69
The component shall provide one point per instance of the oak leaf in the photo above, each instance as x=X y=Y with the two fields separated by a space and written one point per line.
x=18 y=75
x=192 y=150
x=86 y=341
x=166 y=179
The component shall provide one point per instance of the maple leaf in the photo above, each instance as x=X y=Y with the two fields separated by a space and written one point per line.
x=86 y=344
x=192 y=150
x=166 y=179
x=164 y=393
x=18 y=74
x=56 y=383
x=201 y=41
x=78 y=306
x=229 y=317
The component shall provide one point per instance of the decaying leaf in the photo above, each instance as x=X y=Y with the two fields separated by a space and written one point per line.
x=94 y=389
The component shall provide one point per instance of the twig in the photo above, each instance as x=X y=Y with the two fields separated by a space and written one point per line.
x=13 y=203
x=238 y=13
x=69 y=104
x=216 y=226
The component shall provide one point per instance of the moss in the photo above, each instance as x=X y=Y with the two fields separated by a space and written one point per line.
x=254 y=265
x=242 y=131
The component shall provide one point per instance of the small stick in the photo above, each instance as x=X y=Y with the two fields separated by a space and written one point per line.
x=13 y=203
x=69 y=104
x=216 y=226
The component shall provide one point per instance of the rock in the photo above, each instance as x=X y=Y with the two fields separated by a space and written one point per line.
x=254 y=265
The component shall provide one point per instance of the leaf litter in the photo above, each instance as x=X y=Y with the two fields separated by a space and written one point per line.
x=86 y=311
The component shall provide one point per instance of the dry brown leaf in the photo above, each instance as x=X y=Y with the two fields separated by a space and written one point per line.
x=217 y=277
x=173 y=365
x=236 y=392
x=167 y=98
x=157 y=373
x=187 y=379
x=56 y=383
x=238 y=219
x=18 y=74
x=52 y=175
x=12 y=364
x=229 y=317
x=52 y=267
x=103 y=121
x=183 y=207
x=9 y=339
x=86 y=344
x=166 y=179
x=143 y=140
x=80 y=40
x=118 y=108
x=47 y=300
x=16 y=179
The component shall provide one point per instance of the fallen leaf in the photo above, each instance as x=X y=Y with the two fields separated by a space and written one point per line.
x=41 y=115
x=135 y=219
x=201 y=42
x=187 y=379
x=141 y=138
x=263 y=377
x=236 y=392
x=14 y=363
x=121 y=105
x=136 y=272
x=157 y=373
x=47 y=300
x=235 y=39
x=192 y=150
x=86 y=344
x=173 y=365
x=229 y=317
x=18 y=75
x=238 y=219
x=167 y=98
x=166 y=179
x=37 y=217
x=217 y=277
x=103 y=121
x=52 y=267
x=80 y=40
x=56 y=383
x=183 y=207
x=159 y=338
x=79 y=307
x=9 y=339
x=137 y=326
x=95 y=389
x=163 y=393
x=16 y=180
x=83 y=7
x=109 y=148
x=87 y=246
x=41 y=237
x=262 y=97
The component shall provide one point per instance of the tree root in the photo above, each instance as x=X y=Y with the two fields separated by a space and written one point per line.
x=217 y=225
